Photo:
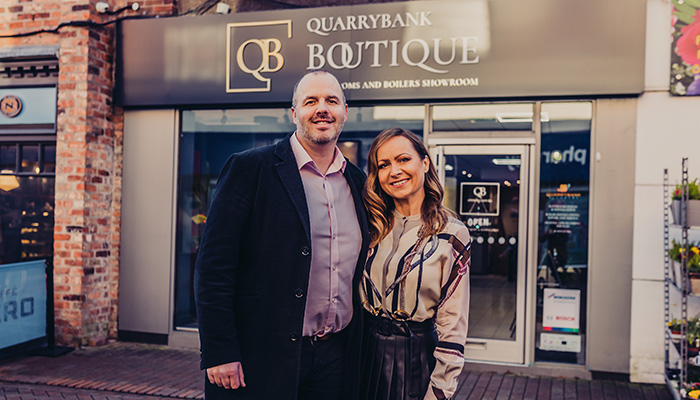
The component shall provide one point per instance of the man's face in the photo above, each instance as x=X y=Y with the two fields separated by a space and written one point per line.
x=319 y=111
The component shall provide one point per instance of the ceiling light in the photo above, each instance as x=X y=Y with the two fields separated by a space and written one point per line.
x=506 y=161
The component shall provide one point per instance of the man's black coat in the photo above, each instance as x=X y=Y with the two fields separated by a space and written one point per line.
x=252 y=274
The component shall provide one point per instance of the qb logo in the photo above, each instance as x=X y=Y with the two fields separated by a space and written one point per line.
x=269 y=48
x=254 y=57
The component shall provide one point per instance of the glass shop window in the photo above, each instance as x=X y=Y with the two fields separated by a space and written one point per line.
x=27 y=178
x=209 y=137
x=562 y=271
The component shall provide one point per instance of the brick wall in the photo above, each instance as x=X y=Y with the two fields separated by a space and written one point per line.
x=89 y=158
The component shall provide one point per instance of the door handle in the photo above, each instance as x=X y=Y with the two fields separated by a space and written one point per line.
x=475 y=345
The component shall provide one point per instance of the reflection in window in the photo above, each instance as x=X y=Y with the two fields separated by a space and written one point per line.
x=483 y=117
x=562 y=278
x=26 y=217
x=209 y=137
x=8 y=157
x=30 y=158
x=49 y=158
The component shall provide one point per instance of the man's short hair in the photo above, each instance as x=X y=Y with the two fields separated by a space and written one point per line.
x=309 y=72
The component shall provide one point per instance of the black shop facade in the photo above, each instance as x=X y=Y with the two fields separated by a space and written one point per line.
x=514 y=102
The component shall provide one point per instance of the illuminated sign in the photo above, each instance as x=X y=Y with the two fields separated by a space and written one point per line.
x=480 y=198
x=387 y=51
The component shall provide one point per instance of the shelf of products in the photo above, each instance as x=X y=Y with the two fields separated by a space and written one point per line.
x=681 y=294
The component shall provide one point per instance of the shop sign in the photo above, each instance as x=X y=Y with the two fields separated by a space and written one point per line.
x=22 y=106
x=479 y=198
x=389 y=51
x=22 y=302
x=685 y=57
x=561 y=310
x=10 y=106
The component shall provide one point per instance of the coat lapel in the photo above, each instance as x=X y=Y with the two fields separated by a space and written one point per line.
x=291 y=181
x=355 y=189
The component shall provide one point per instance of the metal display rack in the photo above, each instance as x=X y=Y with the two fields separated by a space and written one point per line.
x=676 y=372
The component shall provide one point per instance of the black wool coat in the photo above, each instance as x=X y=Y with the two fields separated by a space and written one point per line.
x=252 y=274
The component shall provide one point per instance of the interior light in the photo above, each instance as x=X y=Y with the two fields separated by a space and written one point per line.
x=448 y=167
x=520 y=117
x=506 y=161
x=8 y=182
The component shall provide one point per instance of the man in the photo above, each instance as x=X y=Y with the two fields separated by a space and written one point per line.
x=280 y=261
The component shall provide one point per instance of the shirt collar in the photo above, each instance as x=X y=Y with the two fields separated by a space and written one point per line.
x=303 y=158
x=399 y=216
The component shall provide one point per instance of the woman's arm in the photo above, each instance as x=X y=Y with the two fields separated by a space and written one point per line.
x=452 y=319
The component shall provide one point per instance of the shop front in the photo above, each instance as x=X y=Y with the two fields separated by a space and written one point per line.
x=514 y=116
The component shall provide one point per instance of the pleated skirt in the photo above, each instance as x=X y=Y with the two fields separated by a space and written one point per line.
x=397 y=358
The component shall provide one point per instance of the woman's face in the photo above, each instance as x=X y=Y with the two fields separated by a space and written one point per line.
x=401 y=174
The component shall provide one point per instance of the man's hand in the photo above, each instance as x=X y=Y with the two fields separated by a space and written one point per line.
x=228 y=376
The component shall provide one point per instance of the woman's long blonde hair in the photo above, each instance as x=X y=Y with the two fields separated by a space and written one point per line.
x=380 y=206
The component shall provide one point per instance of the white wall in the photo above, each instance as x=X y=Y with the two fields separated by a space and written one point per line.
x=145 y=278
x=667 y=130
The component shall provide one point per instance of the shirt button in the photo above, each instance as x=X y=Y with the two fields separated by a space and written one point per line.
x=335 y=301
x=299 y=293
x=293 y=337
x=305 y=251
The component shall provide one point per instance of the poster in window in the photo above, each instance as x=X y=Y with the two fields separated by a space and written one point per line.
x=685 y=56
x=561 y=311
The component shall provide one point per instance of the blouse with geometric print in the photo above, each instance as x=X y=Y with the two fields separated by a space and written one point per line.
x=406 y=278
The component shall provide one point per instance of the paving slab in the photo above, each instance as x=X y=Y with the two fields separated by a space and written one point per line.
x=133 y=371
x=118 y=367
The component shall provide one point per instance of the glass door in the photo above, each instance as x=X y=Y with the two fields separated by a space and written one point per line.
x=487 y=187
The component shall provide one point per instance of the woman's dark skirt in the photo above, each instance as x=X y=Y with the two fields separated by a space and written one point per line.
x=397 y=358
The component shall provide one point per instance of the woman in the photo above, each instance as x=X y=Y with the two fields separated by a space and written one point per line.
x=415 y=288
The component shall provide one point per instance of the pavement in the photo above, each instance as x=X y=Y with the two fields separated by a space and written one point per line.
x=116 y=371
x=136 y=371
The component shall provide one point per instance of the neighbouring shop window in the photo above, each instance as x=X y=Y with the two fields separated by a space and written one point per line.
x=26 y=201
x=209 y=137
x=562 y=272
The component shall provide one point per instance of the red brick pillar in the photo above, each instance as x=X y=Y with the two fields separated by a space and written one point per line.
x=88 y=164
x=88 y=178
